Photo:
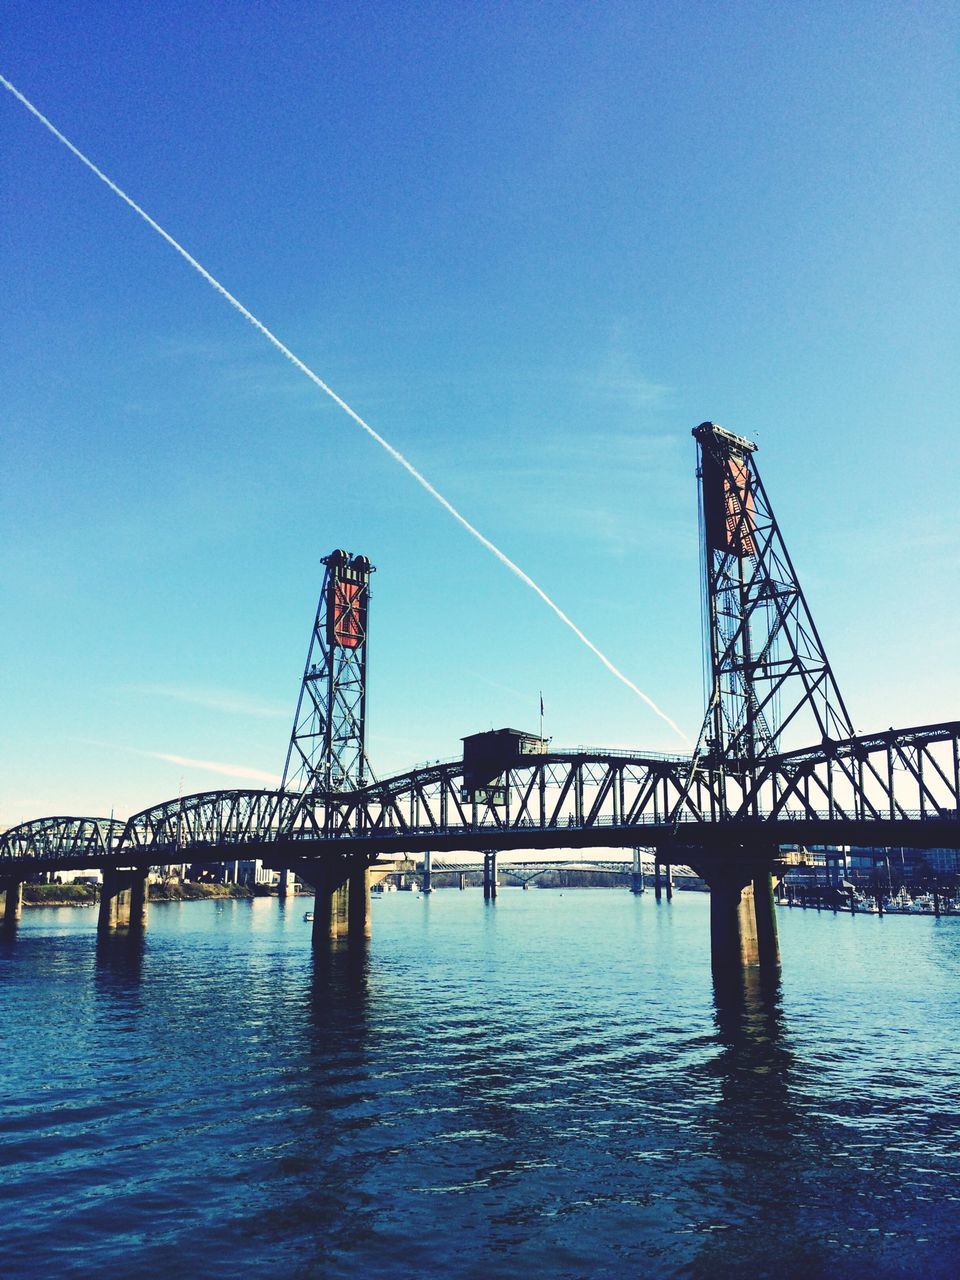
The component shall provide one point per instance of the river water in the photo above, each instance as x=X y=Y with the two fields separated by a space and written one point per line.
x=545 y=1086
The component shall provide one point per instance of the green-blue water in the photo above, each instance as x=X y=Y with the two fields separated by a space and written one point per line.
x=548 y=1086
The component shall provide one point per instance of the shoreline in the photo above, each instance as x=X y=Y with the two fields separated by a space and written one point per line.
x=88 y=895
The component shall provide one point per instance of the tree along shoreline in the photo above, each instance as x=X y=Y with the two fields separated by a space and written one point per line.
x=88 y=895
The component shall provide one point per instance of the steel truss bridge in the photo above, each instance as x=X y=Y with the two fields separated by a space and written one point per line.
x=898 y=787
x=739 y=794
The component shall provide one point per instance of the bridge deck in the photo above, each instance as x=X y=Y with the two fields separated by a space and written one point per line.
x=895 y=788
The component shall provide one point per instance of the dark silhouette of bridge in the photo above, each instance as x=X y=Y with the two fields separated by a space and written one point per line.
x=724 y=809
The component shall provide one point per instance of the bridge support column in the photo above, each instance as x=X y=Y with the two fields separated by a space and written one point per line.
x=669 y=881
x=359 y=920
x=733 y=927
x=123 y=900
x=743 y=925
x=462 y=879
x=657 y=883
x=11 y=902
x=490 y=874
x=331 y=904
x=284 y=886
x=636 y=878
x=768 y=943
x=427 y=871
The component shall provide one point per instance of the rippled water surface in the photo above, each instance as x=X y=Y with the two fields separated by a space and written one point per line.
x=548 y=1086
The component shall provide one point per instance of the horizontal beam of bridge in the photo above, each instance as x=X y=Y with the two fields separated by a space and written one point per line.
x=672 y=844
x=895 y=788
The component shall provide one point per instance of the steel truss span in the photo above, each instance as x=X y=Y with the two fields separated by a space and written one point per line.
x=902 y=787
x=209 y=822
x=56 y=839
x=741 y=791
x=852 y=791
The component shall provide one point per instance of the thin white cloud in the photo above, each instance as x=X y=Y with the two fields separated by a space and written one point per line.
x=188 y=762
x=619 y=378
x=213 y=766
x=216 y=700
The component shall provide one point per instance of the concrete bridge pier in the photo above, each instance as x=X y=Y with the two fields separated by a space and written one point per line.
x=662 y=878
x=427 y=886
x=462 y=879
x=743 y=925
x=359 y=918
x=331 y=904
x=284 y=886
x=636 y=877
x=341 y=906
x=489 y=874
x=123 y=899
x=11 y=902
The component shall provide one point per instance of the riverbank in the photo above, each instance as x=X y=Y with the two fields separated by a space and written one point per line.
x=88 y=895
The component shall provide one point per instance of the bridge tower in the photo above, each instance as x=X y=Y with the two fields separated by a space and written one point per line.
x=768 y=670
x=327 y=752
x=767 y=675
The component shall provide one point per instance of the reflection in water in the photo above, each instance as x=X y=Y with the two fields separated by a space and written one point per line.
x=551 y=1088
x=119 y=959
x=323 y=1204
x=338 y=991
x=754 y=1063
x=754 y=1130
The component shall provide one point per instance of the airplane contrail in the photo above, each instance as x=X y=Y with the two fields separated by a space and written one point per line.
x=365 y=426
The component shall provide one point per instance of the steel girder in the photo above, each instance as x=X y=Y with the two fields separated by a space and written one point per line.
x=56 y=839
x=559 y=791
x=899 y=775
x=327 y=749
x=897 y=787
x=768 y=664
x=859 y=786
x=209 y=822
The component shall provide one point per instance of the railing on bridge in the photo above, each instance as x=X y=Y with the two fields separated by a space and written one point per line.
x=863 y=787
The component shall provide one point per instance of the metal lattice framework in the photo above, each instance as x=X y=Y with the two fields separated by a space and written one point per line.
x=860 y=789
x=214 y=821
x=562 y=794
x=54 y=839
x=768 y=668
x=897 y=787
x=327 y=749
x=740 y=789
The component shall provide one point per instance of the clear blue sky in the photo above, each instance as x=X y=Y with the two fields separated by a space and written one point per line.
x=534 y=244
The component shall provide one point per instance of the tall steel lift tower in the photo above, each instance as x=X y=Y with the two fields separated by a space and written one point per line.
x=767 y=668
x=327 y=751
x=767 y=674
